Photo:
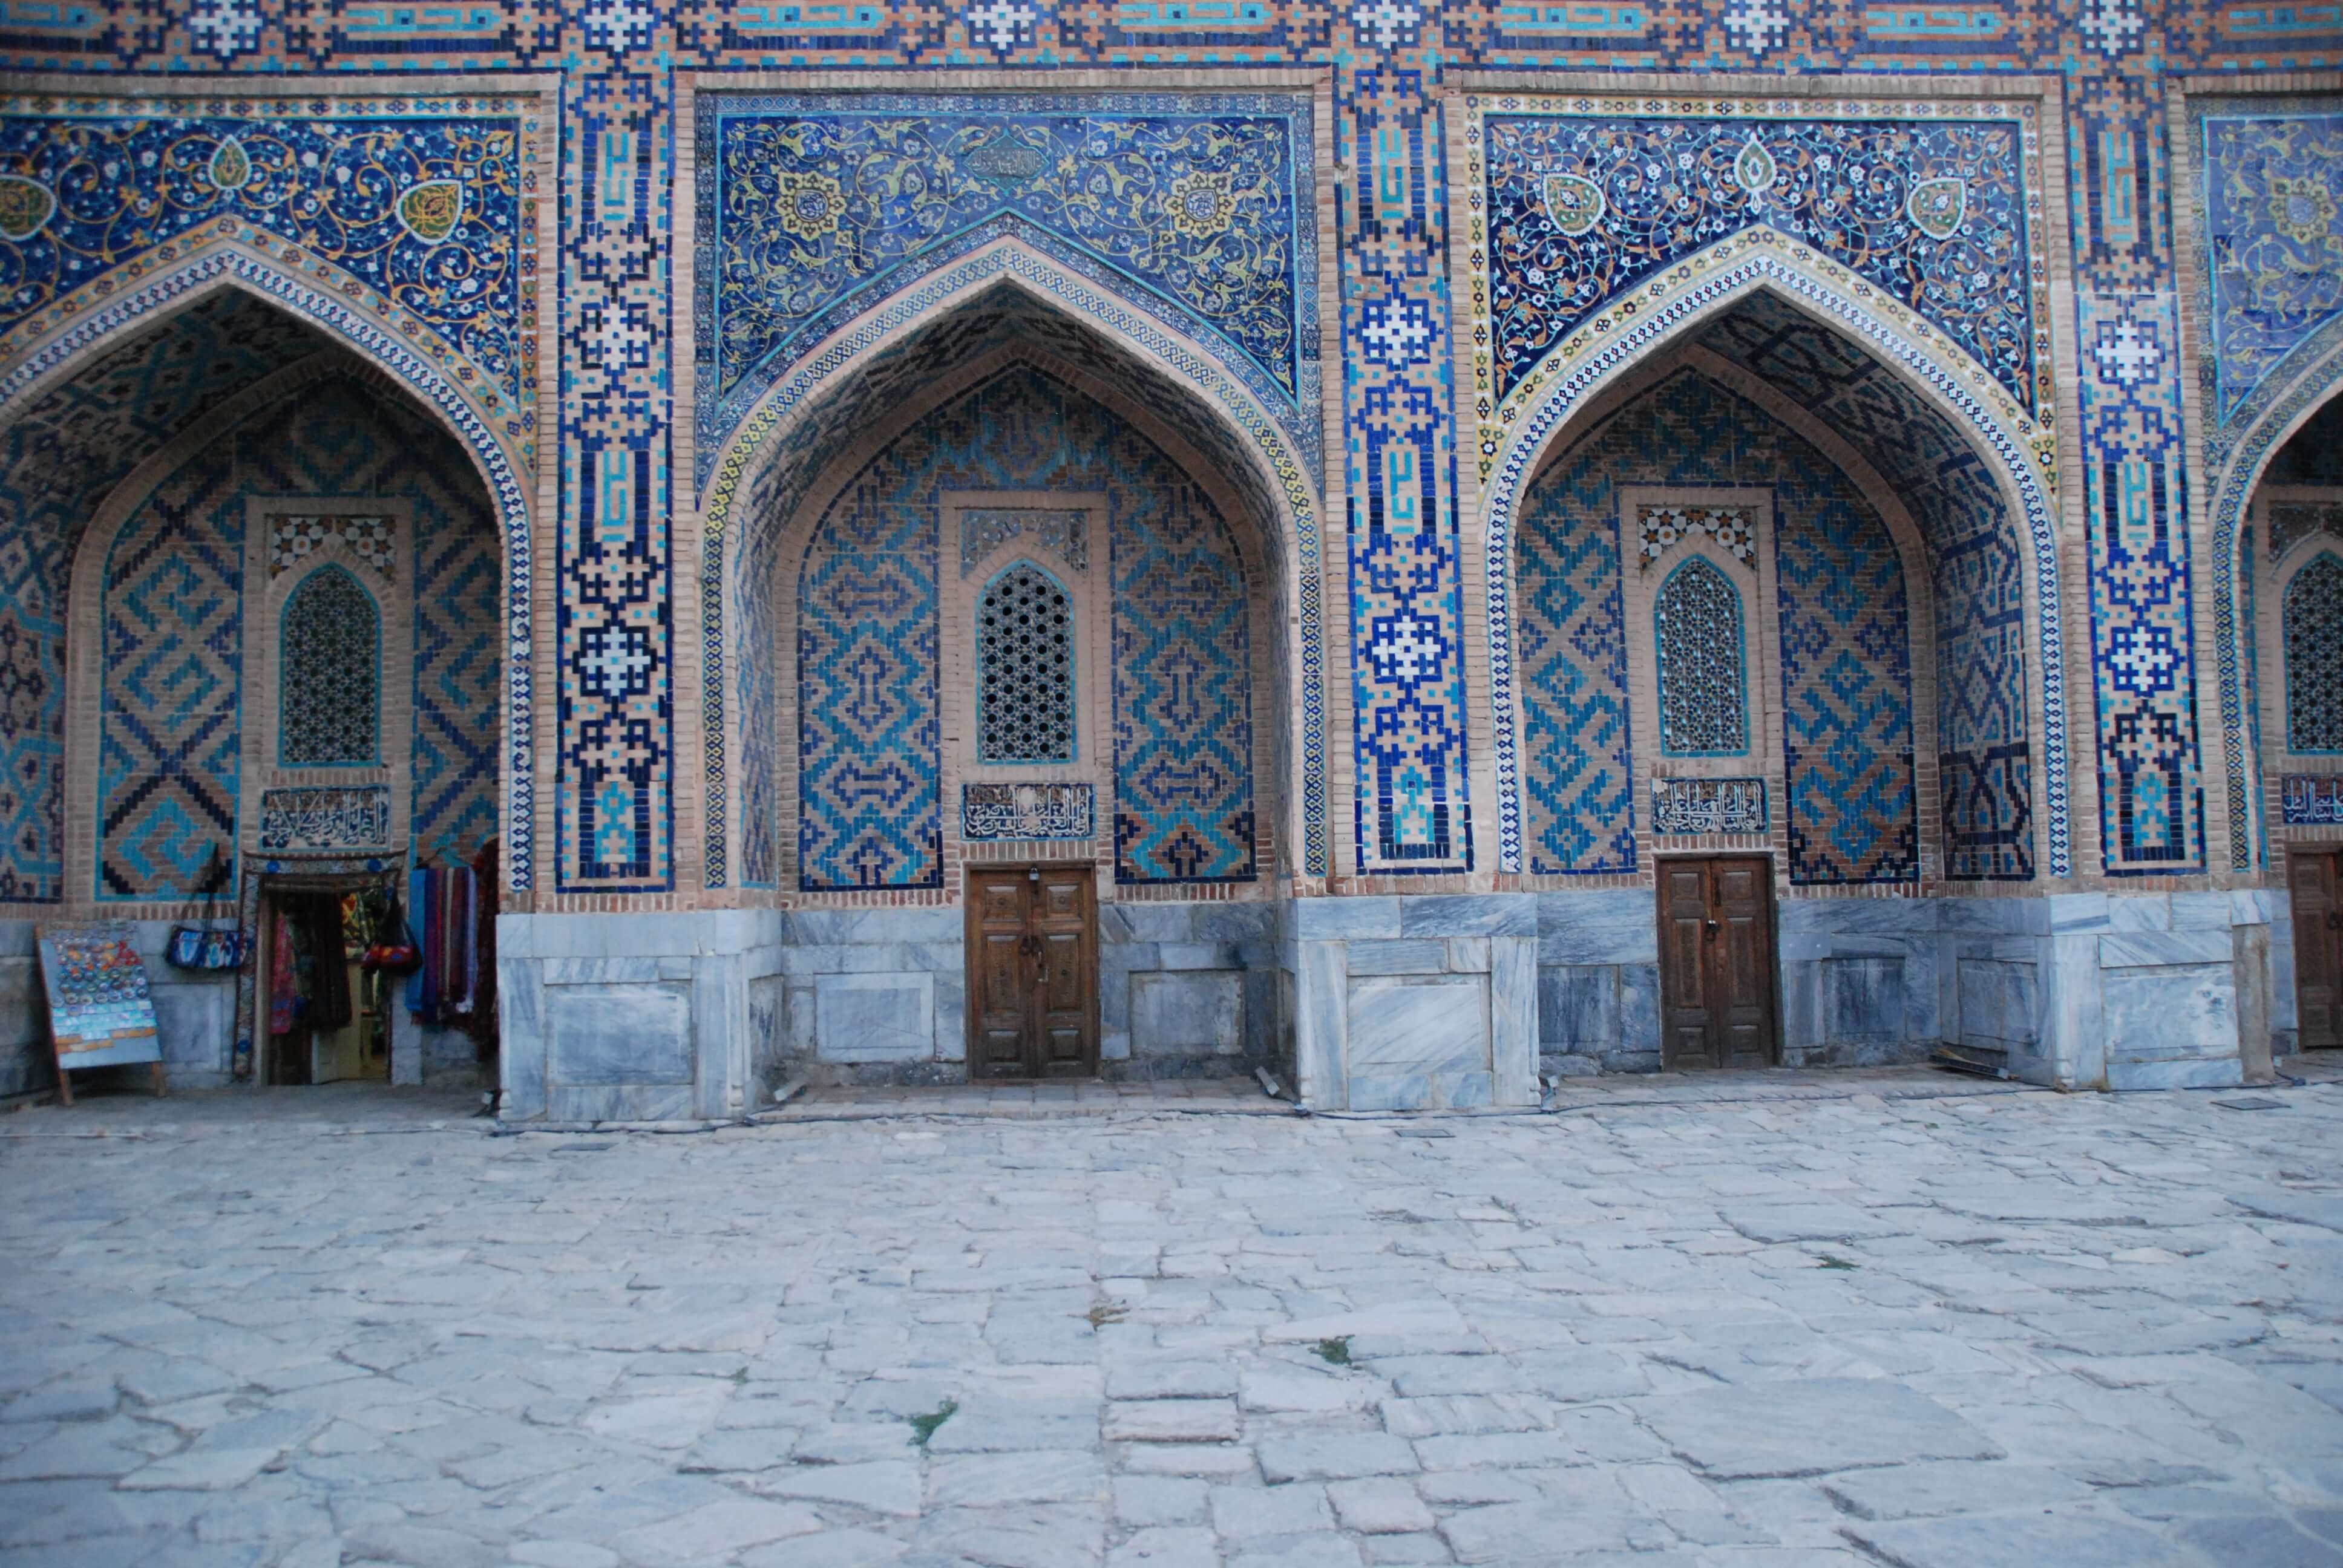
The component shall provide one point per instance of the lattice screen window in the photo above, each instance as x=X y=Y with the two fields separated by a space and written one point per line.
x=1025 y=662
x=2314 y=657
x=329 y=702
x=1704 y=693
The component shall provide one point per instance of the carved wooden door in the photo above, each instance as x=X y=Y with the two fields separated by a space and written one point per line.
x=1717 y=963
x=1033 y=972
x=2318 y=948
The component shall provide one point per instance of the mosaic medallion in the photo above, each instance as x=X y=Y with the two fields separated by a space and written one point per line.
x=1575 y=204
x=430 y=211
x=230 y=167
x=25 y=206
x=1936 y=206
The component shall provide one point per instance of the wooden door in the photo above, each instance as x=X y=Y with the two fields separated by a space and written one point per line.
x=1032 y=973
x=2318 y=948
x=1717 y=962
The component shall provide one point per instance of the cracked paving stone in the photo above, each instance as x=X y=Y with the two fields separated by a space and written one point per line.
x=2080 y=1329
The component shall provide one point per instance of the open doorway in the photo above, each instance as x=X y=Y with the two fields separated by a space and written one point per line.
x=328 y=1015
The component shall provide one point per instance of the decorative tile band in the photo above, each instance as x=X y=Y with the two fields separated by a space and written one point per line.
x=990 y=812
x=1691 y=806
x=1668 y=311
x=2312 y=799
x=346 y=818
x=234 y=267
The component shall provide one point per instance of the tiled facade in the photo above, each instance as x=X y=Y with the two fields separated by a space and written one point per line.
x=1999 y=321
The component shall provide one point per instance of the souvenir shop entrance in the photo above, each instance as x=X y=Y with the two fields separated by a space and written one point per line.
x=327 y=1011
x=382 y=977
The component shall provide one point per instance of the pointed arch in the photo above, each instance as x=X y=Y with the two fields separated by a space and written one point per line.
x=807 y=407
x=2251 y=453
x=231 y=264
x=1761 y=261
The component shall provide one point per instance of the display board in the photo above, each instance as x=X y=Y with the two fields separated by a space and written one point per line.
x=100 y=1011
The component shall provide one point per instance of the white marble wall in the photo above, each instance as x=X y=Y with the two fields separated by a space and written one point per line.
x=630 y=1017
x=1414 y=1003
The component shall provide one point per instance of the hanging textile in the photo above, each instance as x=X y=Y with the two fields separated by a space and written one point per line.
x=445 y=912
x=423 y=985
x=284 y=976
x=482 y=1022
x=329 y=976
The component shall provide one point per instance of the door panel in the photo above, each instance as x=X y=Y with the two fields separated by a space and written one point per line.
x=1741 y=994
x=996 y=912
x=2317 y=949
x=1684 y=924
x=1033 y=1002
x=1717 y=963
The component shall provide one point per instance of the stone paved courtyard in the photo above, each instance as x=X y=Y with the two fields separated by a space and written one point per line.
x=1916 y=1322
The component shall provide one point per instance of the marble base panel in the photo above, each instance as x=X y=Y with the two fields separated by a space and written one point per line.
x=1415 y=1003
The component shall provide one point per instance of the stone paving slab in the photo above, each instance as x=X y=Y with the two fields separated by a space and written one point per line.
x=1750 y=1321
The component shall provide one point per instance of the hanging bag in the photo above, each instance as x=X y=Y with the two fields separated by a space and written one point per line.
x=195 y=944
x=401 y=955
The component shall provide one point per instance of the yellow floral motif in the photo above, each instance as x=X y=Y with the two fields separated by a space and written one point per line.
x=1202 y=203
x=2302 y=208
x=811 y=205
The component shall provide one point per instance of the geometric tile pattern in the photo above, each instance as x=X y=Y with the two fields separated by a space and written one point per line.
x=1584 y=208
x=619 y=68
x=1578 y=787
x=1183 y=806
x=58 y=461
x=1412 y=808
x=1738 y=279
x=329 y=704
x=169 y=733
x=459 y=662
x=1702 y=664
x=812 y=206
x=868 y=732
x=1846 y=685
x=2314 y=657
x=2143 y=652
x=1975 y=569
x=169 y=759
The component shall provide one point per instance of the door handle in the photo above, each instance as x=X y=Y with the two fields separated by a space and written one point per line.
x=1713 y=928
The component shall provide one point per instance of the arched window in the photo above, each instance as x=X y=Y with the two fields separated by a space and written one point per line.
x=1025 y=669
x=329 y=683
x=2314 y=657
x=1704 y=694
